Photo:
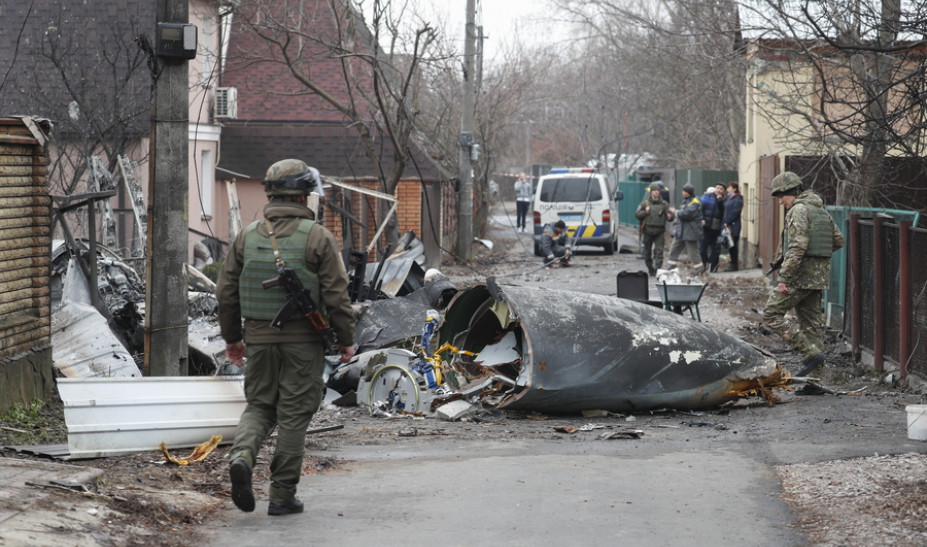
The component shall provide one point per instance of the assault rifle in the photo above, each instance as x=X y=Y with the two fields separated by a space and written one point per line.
x=298 y=299
x=775 y=265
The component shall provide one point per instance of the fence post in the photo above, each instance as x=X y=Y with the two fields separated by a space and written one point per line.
x=904 y=291
x=878 y=339
x=855 y=303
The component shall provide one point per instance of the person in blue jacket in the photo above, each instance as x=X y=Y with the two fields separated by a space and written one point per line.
x=712 y=223
x=733 y=207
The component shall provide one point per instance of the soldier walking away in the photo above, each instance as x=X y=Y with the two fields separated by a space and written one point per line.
x=733 y=207
x=284 y=343
x=654 y=213
x=809 y=239
x=687 y=230
x=523 y=197
x=555 y=246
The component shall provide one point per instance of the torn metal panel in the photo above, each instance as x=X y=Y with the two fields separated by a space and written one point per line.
x=584 y=351
x=402 y=271
x=84 y=347
x=114 y=416
x=398 y=321
x=82 y=344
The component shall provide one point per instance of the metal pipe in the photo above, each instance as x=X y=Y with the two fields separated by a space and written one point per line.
x=905 y=317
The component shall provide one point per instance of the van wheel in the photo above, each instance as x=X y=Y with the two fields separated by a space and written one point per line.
x=610 y=247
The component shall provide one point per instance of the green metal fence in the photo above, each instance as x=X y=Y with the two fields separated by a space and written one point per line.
x=634 y=193
x=835 y=295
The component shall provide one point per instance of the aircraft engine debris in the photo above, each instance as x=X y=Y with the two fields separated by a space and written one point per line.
x=566 y=352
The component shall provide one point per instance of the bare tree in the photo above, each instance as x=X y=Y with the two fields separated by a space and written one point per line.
x=667 y=77
x=852 y=72
x=88 y=75
x=365 y=70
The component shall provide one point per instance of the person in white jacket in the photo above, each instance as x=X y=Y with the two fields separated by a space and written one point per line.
x=522 y=200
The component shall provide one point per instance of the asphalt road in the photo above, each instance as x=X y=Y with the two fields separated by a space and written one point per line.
x=692 y=480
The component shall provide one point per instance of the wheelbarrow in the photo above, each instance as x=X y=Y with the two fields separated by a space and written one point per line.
x=680 y=298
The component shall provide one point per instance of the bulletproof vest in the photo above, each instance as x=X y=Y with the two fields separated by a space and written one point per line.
x=820 y=233
x=258 y=302
x=655 y=219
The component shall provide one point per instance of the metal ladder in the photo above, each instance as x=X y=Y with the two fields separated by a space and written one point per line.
x=138 y=205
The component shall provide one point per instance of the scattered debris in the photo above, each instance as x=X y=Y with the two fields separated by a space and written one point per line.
x=454 y=410
x=200 y=452
x=624 y=434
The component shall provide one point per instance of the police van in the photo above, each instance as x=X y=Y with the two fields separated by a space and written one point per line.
x=586 y=201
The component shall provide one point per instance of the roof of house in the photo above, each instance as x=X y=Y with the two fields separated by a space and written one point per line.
x=248 y=148
x=93 y=42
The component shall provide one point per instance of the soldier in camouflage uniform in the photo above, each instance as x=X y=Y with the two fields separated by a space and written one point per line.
x=283 y=379
x=809 y=239
x=654 y=213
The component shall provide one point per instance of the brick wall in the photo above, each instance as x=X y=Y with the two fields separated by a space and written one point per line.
x=25 y=249
x=363 y=207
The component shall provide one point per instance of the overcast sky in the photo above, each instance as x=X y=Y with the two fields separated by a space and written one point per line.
x=504 y=22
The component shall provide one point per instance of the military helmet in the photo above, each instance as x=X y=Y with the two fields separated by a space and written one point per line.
x=689 y=189
x=657 y=185
x=784 y=182
x=289 y=178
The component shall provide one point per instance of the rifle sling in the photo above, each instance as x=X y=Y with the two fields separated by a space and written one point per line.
x=273 y=243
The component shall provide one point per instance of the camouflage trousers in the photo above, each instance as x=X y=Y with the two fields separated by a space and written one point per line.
x=804 y=336
x=654 y=245
x=283 y=387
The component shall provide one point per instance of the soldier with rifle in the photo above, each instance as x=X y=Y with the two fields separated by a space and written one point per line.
x=282 y=275
x=809 y=239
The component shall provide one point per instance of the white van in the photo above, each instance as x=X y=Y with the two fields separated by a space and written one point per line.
x=584 y=200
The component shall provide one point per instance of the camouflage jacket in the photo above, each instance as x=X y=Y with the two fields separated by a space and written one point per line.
x=799 y=271
x=654 y=221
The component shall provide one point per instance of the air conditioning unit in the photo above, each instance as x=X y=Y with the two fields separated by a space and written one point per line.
x=226 y=102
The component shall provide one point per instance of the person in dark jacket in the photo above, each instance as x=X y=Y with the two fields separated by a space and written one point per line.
x=283 y=379
x=554 y=244
x=733 y=207
x=687 y=230
x=712 y=223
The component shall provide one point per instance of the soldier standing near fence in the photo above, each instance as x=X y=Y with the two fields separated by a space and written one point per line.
x=809 y=239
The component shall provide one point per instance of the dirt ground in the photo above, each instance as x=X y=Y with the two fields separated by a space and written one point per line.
x=813 y=441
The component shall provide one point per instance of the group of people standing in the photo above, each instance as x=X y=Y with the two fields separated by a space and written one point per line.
x=698 y=226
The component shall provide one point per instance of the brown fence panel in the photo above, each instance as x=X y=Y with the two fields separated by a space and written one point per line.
x=866 y=286
x=891 y=318
x=768 y=241
x=918 y=296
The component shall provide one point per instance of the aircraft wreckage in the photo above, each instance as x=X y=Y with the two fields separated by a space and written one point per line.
x=561 y=351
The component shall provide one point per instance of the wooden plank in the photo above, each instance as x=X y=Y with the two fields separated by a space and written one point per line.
x=35 y=242
x=23 y=300
x=37 y=274
x=39 y=263
x=24 y=186
x=20 y=150
x=16 y=203
x=30 y=216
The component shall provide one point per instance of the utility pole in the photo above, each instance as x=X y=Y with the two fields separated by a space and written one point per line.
x=465 y=173
x=166 y=284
